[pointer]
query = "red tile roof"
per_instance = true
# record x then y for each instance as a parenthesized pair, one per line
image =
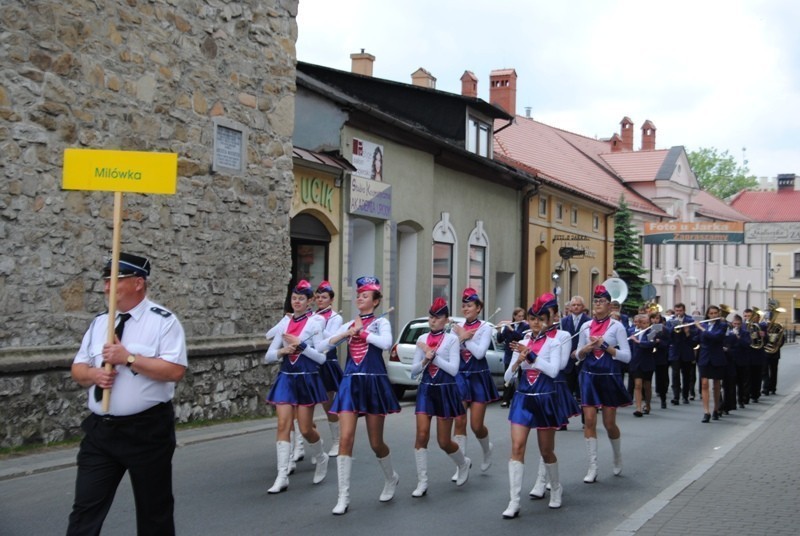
(568, 159)
(637, 166)
(716, 208)
(769, 206)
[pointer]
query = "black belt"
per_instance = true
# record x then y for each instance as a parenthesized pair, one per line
(149, 412)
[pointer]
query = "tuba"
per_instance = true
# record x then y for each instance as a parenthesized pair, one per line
(775, 331)
(756, 340)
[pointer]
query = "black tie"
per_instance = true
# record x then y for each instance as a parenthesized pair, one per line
(124, 317)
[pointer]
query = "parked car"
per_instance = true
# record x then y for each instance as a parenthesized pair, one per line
(401, 356)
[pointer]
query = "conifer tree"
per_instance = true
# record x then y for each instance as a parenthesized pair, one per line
(628, 256)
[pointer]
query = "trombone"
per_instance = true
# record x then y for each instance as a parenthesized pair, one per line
(681, 326)
(724, 312)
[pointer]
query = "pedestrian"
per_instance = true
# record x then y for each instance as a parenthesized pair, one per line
(681, 353)
(474, 378)
(508, 332)
(602, 348)
(364, 389)
(741, 354)
(137, 435)
(436, 358)
(758, 358)
(660, 354)
(331, 370)
(298, 388)
(642, 364)
(535, 364)
(711, 360)
(572, 323)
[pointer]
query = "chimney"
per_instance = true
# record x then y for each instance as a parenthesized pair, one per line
(423, 78)
(469, 84)
(626, 133)
(616, 143)
(786, 181)
(362, 63)
(503, 89)
(648, 136)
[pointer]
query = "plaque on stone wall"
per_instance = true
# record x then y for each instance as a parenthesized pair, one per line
(230, 143)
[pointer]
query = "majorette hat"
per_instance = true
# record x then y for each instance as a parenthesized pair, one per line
(439, 308)
(366, 283)
(303, 287)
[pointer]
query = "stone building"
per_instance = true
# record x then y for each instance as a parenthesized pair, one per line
(158, 76)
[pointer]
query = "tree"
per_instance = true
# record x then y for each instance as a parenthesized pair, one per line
(719, 173)
(628, 255)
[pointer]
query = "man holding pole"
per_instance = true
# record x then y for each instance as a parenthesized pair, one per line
(137, 432)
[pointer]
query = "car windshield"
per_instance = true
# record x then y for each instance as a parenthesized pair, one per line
(416, 328)
(414, 331)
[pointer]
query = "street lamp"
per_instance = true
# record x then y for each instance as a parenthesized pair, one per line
(772, 271)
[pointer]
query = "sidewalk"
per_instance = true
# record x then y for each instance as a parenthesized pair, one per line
(751, 487)
(60, 458)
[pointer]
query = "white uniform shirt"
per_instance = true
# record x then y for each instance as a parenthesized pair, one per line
(152, 331)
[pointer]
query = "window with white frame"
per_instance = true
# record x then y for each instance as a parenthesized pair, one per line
(573, 218)
(559, 211)
(749, 256)
(477, 261)
(445, 249)
(595, 222)
(710, 252)
(479, 134)
(542, 206)
(796, 270)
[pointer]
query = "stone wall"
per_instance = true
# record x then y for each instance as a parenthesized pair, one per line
(41, 404)
(148, 75)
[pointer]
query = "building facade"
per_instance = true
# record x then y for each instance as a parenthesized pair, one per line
(425, 207)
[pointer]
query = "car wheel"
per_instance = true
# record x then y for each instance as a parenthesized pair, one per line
(399, 391)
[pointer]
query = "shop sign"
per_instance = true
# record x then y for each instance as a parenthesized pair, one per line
(698, 232)
(316, 191)
(370, 198)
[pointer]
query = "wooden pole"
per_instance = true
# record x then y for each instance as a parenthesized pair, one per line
(112, 292)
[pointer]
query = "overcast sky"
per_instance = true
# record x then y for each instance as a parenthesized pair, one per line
(708, 73)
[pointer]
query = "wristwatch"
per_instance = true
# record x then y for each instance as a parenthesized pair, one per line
(131, 361)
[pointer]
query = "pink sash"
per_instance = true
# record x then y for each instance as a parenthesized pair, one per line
(359, 345)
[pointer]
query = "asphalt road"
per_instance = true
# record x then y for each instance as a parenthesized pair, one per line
(221, 484)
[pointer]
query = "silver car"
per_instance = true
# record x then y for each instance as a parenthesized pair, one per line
(401, 356)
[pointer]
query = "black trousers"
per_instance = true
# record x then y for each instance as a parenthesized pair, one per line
(756, 372)
(662, 381)
(141, 444)
(770, 374)
(743, 383)
(682, 379)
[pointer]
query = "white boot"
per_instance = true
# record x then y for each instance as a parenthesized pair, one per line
(616, 446)
(344, 464)
(461, 441)
(334, 426)
(292, 465)
(515, 472)
(283, 449)
(421, 457)
(487, 448)
(591, 450)
(391, 479)
(322, 460)
(537, 492)
(463, 465)
(555, 485)
(299, 451)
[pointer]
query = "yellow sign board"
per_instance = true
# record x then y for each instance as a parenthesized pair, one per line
(120, 171)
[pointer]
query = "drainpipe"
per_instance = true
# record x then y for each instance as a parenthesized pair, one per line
(526, 213)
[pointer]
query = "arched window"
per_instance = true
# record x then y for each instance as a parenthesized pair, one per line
(445, 249)
(477, 261)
